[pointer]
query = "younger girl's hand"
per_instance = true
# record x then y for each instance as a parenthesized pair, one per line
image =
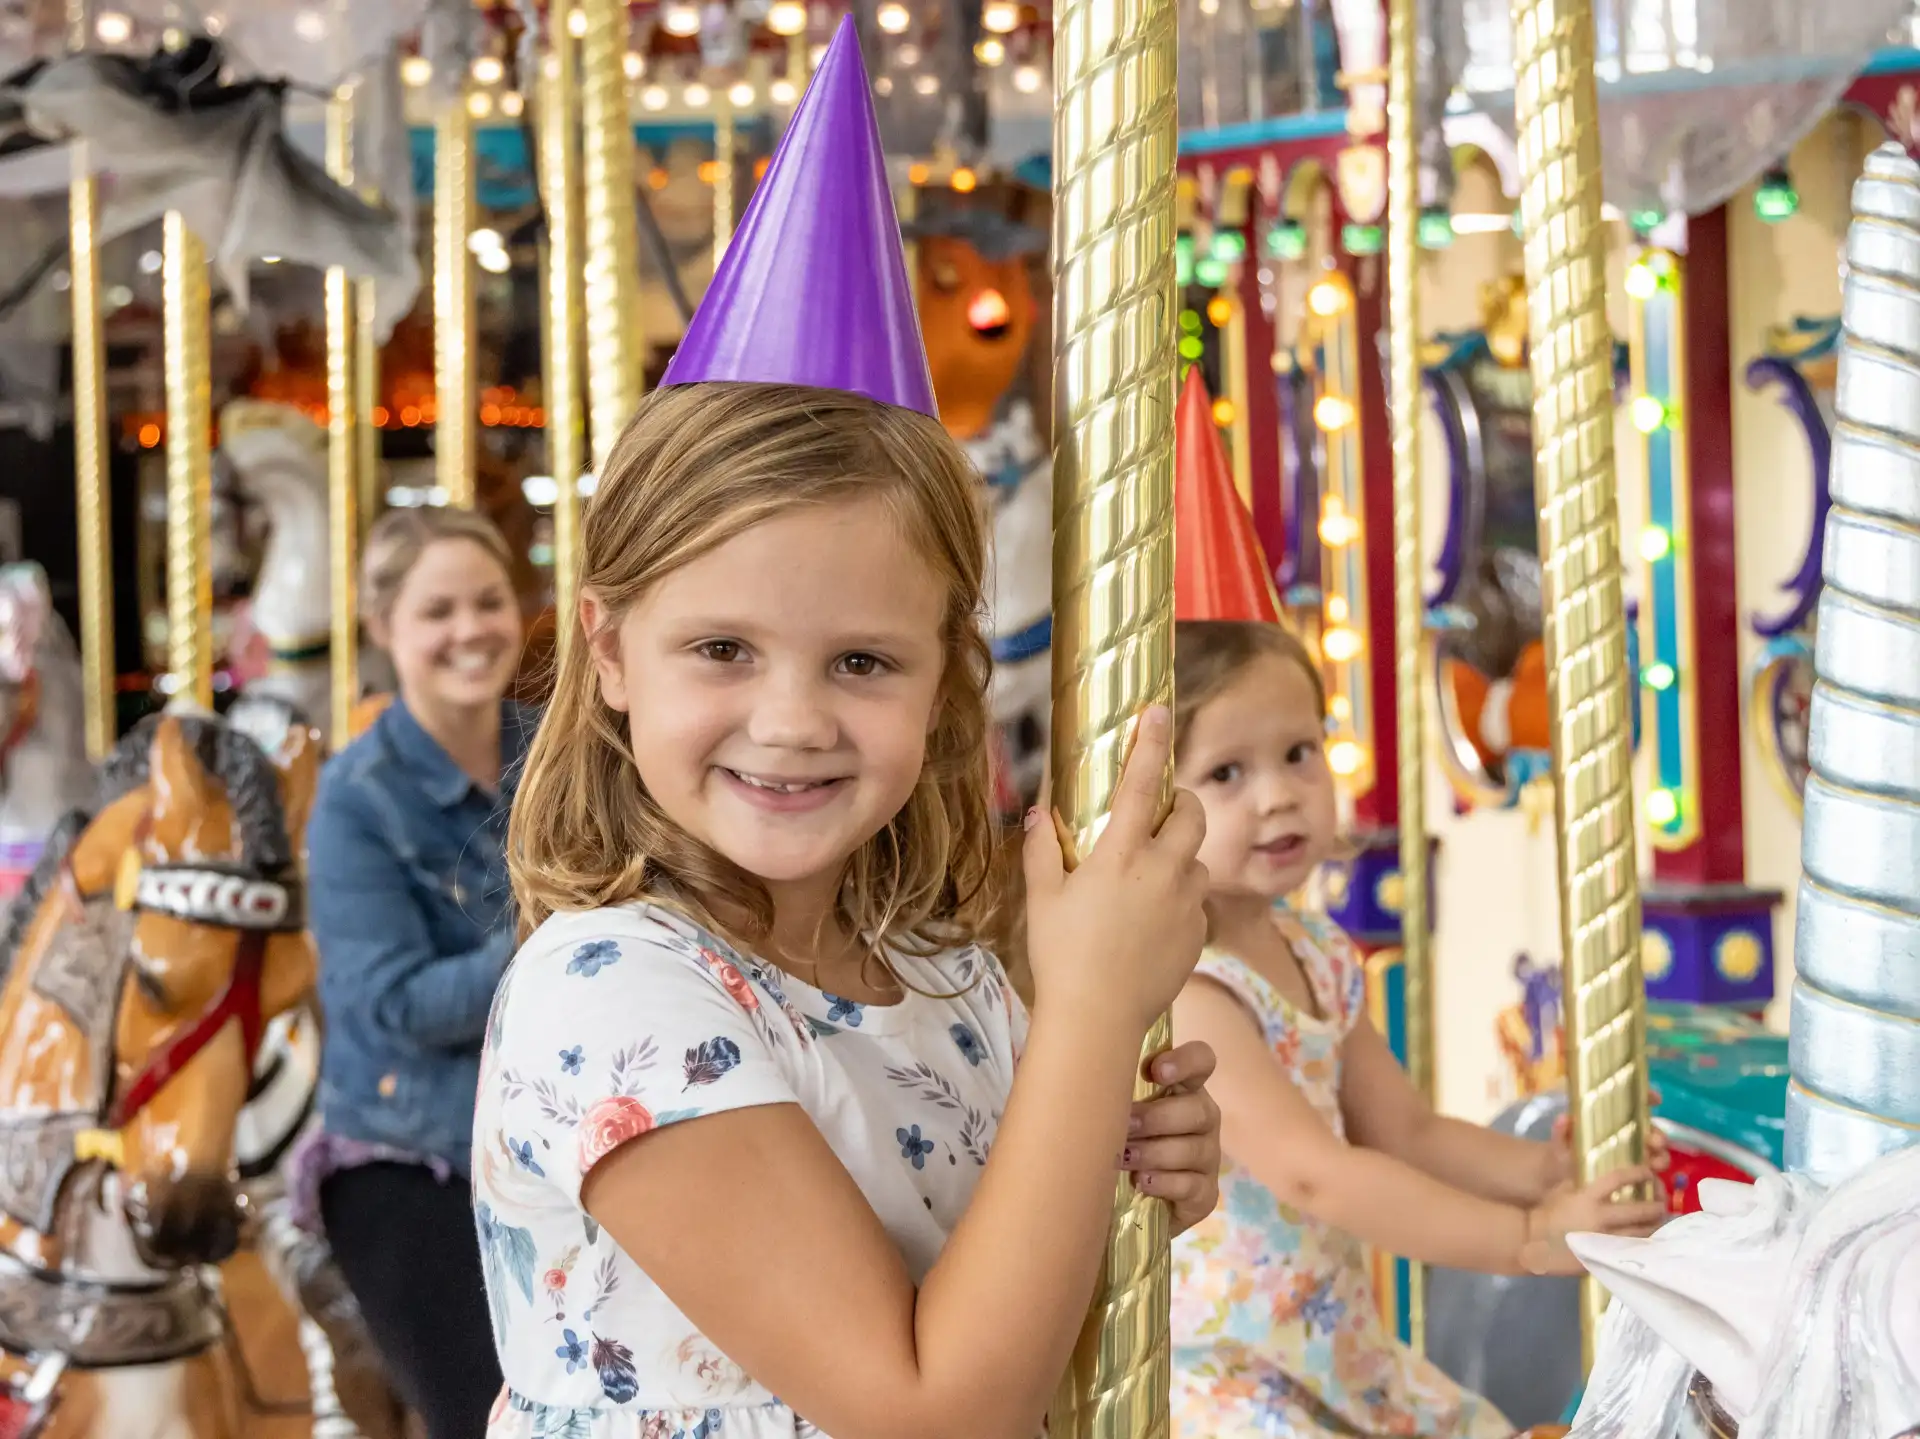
(1173, 1141)
(1592, 1210)
(1117, 937)
(1561, 1161)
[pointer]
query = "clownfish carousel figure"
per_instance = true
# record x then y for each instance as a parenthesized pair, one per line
(977, 312)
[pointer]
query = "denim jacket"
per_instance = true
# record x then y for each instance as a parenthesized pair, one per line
(410, 911)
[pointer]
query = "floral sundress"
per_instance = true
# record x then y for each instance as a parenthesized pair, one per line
(1275, 1328)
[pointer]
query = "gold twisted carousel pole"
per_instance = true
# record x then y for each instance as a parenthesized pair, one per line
(566, 430)
(1409, 597)
(92, 480)
(345, 456)
(615, 350)
(1557, 115)
(189, 385)
(724, 163)
(1114, 383)
(455, 438)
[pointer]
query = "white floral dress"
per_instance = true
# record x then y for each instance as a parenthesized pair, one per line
(618, 1021)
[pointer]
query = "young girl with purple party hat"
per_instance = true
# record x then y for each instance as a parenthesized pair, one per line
(751, 1158)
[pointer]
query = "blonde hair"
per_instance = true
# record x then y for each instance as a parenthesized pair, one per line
(398, 539)
(697, 465)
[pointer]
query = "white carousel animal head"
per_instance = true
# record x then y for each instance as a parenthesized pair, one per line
(1799, 1305)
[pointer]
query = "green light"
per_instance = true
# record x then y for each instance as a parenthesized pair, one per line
(1190, 321)
(1287, 240)
(1663, 808)
(1644, 221)
(1360, 239)
(1228, 246)
(1210, 272)
(1436, 229)
(1190, 347)
(1776, 199)
(1658, 676)
(1183, 267)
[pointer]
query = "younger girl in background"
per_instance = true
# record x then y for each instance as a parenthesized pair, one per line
(1329, 1147)
(752, 1160)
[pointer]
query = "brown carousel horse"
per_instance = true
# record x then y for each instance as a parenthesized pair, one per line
(150, 950)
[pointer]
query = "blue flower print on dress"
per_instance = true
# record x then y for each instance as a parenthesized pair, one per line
(593, 956)
(1324, 1311)
(913, 1148)
(709, 1060)
(573, 1350)
(968, 1043)
(507, 1254)
(572, 1059)
(613, 1362)
(523, 1156)
(845, 1009)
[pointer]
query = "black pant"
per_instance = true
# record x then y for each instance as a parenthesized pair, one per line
(406, 1244)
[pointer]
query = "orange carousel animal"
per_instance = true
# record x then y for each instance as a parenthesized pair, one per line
(152, 947)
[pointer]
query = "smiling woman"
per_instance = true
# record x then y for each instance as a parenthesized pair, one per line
(414, 924)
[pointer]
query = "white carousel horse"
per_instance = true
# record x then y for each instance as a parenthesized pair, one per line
(1797, 1305)
(44, 771)
(1019, 475)
(278, 461)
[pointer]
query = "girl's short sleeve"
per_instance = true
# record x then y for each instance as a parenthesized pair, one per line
(599, 1038)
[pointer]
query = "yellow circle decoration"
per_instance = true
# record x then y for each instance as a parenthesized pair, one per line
(1737, 956)
(1656, 955)
(1389, 893)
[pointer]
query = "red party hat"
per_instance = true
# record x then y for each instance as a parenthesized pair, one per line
(1219, 572)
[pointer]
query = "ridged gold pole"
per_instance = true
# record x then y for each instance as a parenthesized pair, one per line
(1557, 114)
(455, 440)
(566, 431)
(724, 161)
(1409, 598)
(1115, 379)
(615, 346)
(189, 384)
(345, 456)
(91, 475)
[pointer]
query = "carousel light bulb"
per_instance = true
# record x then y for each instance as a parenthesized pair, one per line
(487, 70)
(1332, 412)
(741, 94)
(1658, 676)
(416, 70)
(1026, 79)
(112, 27)
(479, 104)
(893, 18)
(1340, 644)
(494, 262)
(1648, 412)
(654, 97)
(1641, 282)
(926, 84)
(963, 180)
(512, 103)
(635, 64)
(696, 95)
(1223, 411)
(787, 17)
(1002, 17)
(908, 55)
(1219, 311)
(815, 54)
(577, 23)
(484, 241)
(1656, 543)
(681, 20)
(783, 91)
(1337, 528)
(1663, 807)
(989, 51)
(883, 86)
(1344, 757)
(1326, 299)
(1336, 609)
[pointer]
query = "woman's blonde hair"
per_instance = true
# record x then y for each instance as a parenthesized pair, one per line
(697, 465)
(399, 537)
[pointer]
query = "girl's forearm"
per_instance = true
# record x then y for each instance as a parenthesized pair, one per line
(997, 1317)
(1398, 1208)
(1483, 1161)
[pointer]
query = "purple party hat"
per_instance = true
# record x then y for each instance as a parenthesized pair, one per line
(813, 287)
